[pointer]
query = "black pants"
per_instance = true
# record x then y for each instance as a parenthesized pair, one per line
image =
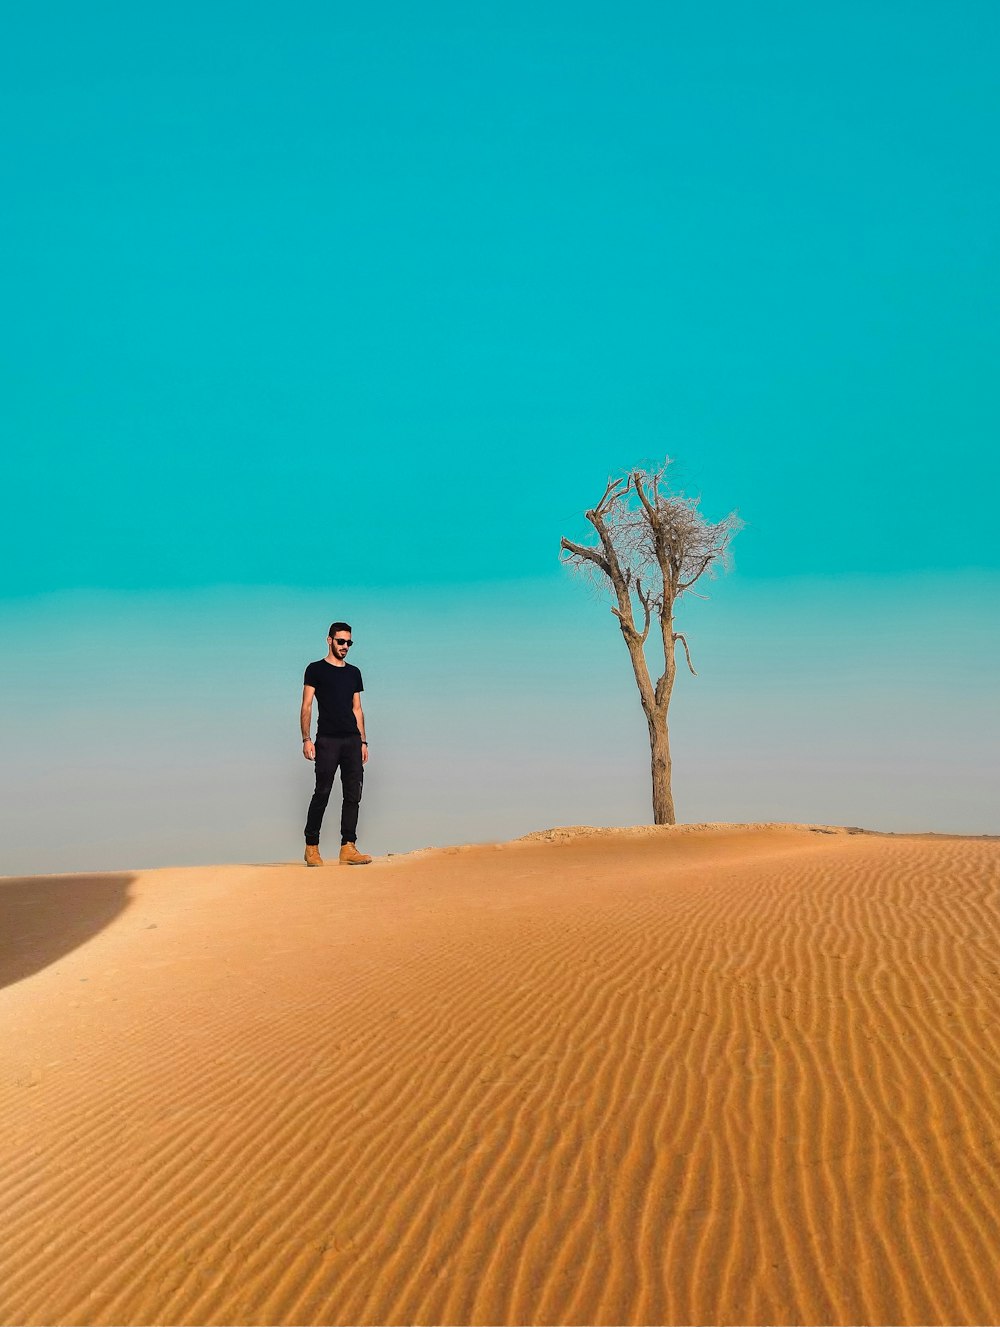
(333, 753)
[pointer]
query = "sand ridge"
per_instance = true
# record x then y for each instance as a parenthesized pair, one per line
(710, 1074)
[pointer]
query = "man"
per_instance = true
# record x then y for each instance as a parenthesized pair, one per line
(340, 743)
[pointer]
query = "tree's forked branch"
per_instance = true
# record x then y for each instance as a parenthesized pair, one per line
(610, 496)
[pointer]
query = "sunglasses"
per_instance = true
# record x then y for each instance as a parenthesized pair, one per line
(339, 640)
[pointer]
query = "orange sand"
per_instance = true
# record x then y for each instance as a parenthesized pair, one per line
(702, 1075)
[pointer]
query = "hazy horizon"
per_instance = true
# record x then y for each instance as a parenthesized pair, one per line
(490, 715)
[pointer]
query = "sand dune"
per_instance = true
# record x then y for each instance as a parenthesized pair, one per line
(701, 1075)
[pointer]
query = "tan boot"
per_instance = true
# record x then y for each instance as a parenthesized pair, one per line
(312, 857)
(349, 856)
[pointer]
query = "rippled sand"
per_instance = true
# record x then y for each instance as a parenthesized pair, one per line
(702, 1075)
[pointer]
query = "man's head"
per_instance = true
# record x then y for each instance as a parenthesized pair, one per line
(339, 639)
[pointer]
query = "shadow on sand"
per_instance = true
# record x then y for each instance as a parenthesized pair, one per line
(43, 918)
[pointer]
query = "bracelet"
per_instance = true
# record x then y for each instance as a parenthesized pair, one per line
(363, 742)
(307, 739)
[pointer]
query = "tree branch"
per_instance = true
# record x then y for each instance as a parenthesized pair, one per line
(628, 624)
(588, 555)
(614, 567)
(678, 636)
(644, 599)
(650, 509)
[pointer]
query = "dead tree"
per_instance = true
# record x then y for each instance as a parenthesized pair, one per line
(653, 545)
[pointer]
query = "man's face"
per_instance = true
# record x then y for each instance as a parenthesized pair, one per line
(340, 643)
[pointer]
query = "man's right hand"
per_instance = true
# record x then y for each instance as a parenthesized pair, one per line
(309, 751)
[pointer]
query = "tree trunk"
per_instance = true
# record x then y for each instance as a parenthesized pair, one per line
(659, 751)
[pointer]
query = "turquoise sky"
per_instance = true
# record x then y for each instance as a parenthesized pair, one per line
(329, 303)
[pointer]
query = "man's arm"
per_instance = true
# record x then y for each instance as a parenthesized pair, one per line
(359, 714)
(305, 722)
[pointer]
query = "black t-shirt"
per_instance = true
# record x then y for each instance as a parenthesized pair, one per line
(335, 688)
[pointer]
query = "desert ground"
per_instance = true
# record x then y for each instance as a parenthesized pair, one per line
(705, 1074)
